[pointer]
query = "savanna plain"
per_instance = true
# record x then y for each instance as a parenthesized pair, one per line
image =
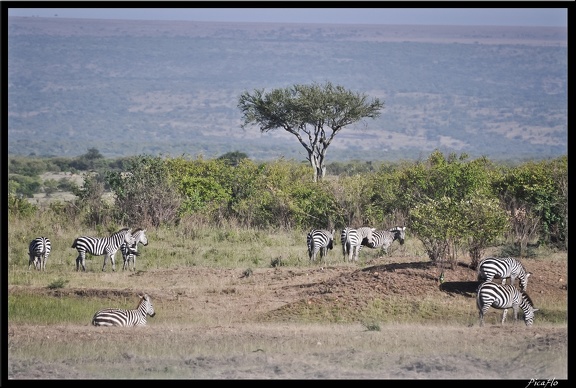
(231, 311)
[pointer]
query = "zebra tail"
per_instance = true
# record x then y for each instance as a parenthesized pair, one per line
(74, 243)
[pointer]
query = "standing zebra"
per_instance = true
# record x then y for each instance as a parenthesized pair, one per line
(503, 297)
(350, 240)
(125, 318)
(38, 252)
(384, 238)
(99, 246)
(319, 240)
(129, 253)
(504, 267)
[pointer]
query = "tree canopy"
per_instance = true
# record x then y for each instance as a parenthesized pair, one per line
(313, 113)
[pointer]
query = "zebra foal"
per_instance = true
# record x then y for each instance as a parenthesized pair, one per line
(129, 252)
(319, 240)
(125, 318)
(505, 267)
(38, 251)
(503, 297)
(99, 246)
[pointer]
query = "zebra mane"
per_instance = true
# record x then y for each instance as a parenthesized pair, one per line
(527, 298)
(137, 230)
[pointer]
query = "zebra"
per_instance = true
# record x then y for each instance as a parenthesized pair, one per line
(319, 240)
(384, 238)
(129, 253)
(99, 246)
(350, 240)
(125, 318)
(503, 267)
(38, 251)
(503, 297)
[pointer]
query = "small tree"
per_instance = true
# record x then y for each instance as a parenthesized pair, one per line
(313, 113)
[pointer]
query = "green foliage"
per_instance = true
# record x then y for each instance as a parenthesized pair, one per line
(145, 194)
(451, 205)
(20, 207)
(233, 158)
(24, 185)
(448, 201)
(58, 283)
(539, 190)
(91, 203)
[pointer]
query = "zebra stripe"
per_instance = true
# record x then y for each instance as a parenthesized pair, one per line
(38, 251)
(350, 239)
(319, 240)
(503, 297)
(129, 252)
(99, 246)
(504, 267)
(125, 318)
(384, 238)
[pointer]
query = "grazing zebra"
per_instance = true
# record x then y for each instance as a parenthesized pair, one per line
(129, 253)
(319, 240)
(99, 246)
(384, 238)
(125, 318)
(38, 251)
(350, 240)
(503, 297)
(504, 267)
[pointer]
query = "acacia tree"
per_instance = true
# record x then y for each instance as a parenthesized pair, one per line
(313, 113)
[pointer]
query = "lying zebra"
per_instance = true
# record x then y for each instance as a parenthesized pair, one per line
(125, 318)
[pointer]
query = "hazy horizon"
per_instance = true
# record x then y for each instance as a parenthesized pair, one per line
(553, 17)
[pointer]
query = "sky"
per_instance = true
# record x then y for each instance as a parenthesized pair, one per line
(521, 16)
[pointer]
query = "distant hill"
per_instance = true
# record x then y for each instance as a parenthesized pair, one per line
(171, 88)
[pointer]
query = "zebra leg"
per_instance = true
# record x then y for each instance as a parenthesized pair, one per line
(504, 313)
(81, 260)
(515, 310)
(113, 262)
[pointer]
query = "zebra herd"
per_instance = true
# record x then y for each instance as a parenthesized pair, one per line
(504, 296)
(489, 294)
(124, 240)
(352, 240)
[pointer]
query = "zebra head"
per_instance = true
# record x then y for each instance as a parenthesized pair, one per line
(399, 234)
(128, 237)
(140, 237)
(145, 306)
(331, 239)
(528, 307)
